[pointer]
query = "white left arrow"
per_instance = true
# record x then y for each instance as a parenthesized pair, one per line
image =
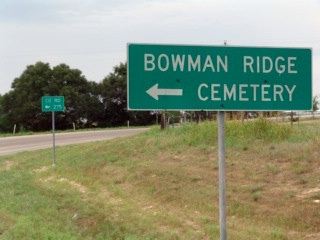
(155, 91)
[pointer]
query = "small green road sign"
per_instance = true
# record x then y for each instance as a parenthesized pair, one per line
(52, 103)
(221, 78)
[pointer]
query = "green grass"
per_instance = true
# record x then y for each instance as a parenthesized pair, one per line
(164, 185)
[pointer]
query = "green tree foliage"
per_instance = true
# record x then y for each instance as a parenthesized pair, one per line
(114, 95)
(3, 118)
(86, 103)
(22, 105)
(315, 103)
(82, 101)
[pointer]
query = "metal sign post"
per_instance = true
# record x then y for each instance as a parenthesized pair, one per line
(53, 104)
(53, 141)
(222, 176)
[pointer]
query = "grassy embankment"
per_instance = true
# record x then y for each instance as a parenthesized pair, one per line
(164, 185)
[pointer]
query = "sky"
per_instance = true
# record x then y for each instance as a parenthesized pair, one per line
(92, 35)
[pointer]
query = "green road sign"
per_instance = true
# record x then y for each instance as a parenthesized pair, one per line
(176, 77)
(52, 103)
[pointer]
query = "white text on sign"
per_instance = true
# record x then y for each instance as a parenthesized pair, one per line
(245, 92)
(198, 63)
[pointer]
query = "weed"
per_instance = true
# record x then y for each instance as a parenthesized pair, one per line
(274, 169)
(301, 168)
(277, 234)
(245, 148)
(240, 209)
(290, 195)
(256, 193)
(303, 180)
(256, 196)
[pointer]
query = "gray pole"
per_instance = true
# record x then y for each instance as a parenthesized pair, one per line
(222, 175)
(53, 142)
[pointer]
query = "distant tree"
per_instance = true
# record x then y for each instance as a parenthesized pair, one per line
(86, 103)
(114, 96)
(22, 105)
(4, 125)
(315, 103)
(82, 102)
(95, 107)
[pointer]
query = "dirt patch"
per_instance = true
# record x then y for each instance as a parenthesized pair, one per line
(41, 169)
(7, 165)
(73, 184)
(312, 236)
(309, 193)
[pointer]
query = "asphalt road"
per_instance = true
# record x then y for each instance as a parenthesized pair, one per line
(10, 145)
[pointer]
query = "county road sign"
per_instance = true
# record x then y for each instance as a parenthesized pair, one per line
(175, 77)
(52, 103)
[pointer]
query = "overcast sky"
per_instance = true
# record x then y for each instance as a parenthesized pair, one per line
(92, 35)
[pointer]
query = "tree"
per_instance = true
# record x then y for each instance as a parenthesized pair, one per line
(4, 124)
(81, 97)
(22, 105)
(114, 96)
(86, 103)
(315, 103)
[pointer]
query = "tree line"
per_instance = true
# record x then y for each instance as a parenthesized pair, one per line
(87, 103)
